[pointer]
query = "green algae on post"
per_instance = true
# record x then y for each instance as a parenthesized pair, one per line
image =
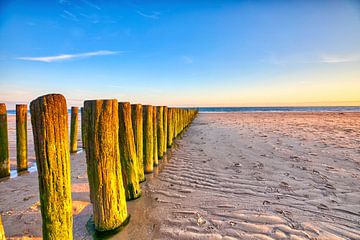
(21, 137)
(170, 127)
(128, 158)
(148, 129)
(83, 133)
(4, 143)
(160, 130)
(49, 120)
(156, 158)
(176, 121)
(103, 164)
(74, 129)
(165, 120)
(137, 124)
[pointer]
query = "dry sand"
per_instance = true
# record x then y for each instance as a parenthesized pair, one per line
(230, 176)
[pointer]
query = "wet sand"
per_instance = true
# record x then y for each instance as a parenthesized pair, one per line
(231, 176)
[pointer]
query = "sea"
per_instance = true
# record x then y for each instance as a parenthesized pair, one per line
(266, 109)
(280, 109)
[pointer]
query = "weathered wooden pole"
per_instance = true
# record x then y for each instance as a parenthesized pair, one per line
(182, 114)
(2, 233)
(148, 139)
(156, 158)
(103, 164)
(160, 130)
(165, 118)
(74, 129)
(83, 133)
(49, 120)
(170, 128)
(128, 158)
(21, 137)
(4, 143)
(176, 121)
(176, 110)
(137, 124)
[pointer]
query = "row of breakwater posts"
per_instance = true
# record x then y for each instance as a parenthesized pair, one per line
(122, 143)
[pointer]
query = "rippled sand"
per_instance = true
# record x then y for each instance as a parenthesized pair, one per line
(230, 176)
(263, 176)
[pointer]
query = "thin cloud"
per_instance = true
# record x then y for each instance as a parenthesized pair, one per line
(311, 59)
(69, 15)
(64, 57)
(92, 5)
(153, 15)
(339, 59)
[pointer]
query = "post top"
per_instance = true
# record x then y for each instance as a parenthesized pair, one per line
(124, 103)
(52, 96)
(100, 100)
(2, 108)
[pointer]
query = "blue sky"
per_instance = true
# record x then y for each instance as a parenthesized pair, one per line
(205, 53)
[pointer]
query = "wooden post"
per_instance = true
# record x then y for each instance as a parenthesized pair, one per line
(148, 139)
(4, 144)
(170, 127)
(137, 124)
(165, 118)
(21, 137)
(160, 130)
(49, 120)
(128, 158)
(175, 125)
(2, 233)
(74, 129)
(83, 133)
(103, 164)
(156, 158)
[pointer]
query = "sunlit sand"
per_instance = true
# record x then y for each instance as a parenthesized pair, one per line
(230, 176)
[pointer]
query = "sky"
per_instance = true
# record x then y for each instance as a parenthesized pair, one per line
(185, 53)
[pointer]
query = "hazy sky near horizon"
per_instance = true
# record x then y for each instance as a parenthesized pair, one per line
(200, 53)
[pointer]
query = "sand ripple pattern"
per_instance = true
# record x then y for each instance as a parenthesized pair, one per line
(262, 176)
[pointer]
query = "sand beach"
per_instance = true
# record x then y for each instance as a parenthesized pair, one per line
(229, 176)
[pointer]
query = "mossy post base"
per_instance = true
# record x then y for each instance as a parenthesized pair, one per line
(129, 165)
(137, 124)
(103, 164)
(49, 120)
(74, 129)
(4, 143)
(21, 137)
(148, 139)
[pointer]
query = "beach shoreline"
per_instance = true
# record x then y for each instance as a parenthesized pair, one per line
(231, 176)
